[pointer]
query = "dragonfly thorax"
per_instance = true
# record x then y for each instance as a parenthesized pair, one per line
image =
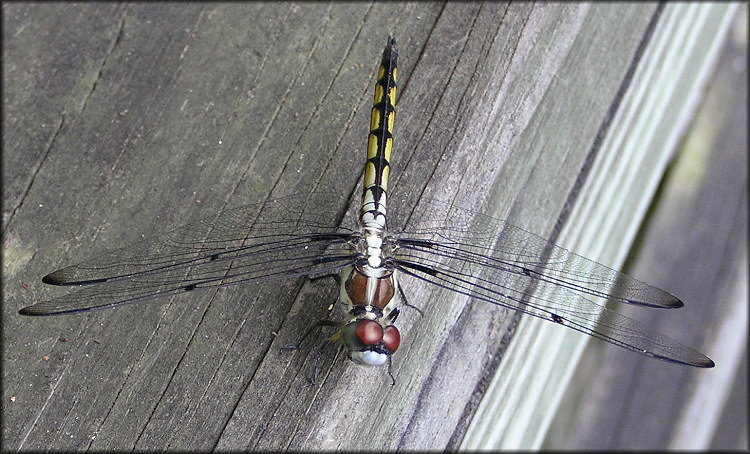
(366, 286)
(370, 336)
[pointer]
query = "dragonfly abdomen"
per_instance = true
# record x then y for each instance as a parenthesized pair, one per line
(380, 142)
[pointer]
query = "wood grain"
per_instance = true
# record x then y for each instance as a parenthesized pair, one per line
(125, 120)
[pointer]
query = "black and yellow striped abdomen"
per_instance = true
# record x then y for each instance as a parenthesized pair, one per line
(380, 141)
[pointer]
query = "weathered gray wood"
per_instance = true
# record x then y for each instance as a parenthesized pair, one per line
(156, 114)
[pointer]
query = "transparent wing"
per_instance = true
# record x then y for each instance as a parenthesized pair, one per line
(261, 242)
(493, 261)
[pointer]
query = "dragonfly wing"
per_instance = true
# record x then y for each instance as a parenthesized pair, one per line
(500, 245)
(493, 261)
(252, 243)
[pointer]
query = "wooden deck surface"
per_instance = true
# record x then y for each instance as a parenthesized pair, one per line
(121, 121)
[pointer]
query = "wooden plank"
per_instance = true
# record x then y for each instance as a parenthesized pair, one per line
(177, 111)
(696, 244)
(654, 112)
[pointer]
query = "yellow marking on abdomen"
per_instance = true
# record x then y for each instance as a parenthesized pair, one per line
(370, 175)
(375, 120)
(378, 93)
(372, 146)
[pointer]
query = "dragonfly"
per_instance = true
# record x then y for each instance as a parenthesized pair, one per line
(484, 258)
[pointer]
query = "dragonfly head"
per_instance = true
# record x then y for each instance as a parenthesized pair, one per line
(369, 342)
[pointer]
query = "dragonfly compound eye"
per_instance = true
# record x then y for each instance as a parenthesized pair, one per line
(369, 332)
(391, 338)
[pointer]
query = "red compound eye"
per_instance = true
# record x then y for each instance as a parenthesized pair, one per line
(391, 338)
(369, 332)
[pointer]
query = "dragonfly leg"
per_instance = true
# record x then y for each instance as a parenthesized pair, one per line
(406, 302)
(390, 372)
(318, 324)
(336, 277)
(315, 364)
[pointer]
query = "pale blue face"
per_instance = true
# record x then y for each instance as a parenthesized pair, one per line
(369, 358)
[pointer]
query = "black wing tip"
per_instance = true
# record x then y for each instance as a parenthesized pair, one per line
(53, 278)
(50, 308)
(67, 276)
(33, 310)
(705, 363)
(674, 303)
(60, 277)
(664, 302)
(693, 359)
